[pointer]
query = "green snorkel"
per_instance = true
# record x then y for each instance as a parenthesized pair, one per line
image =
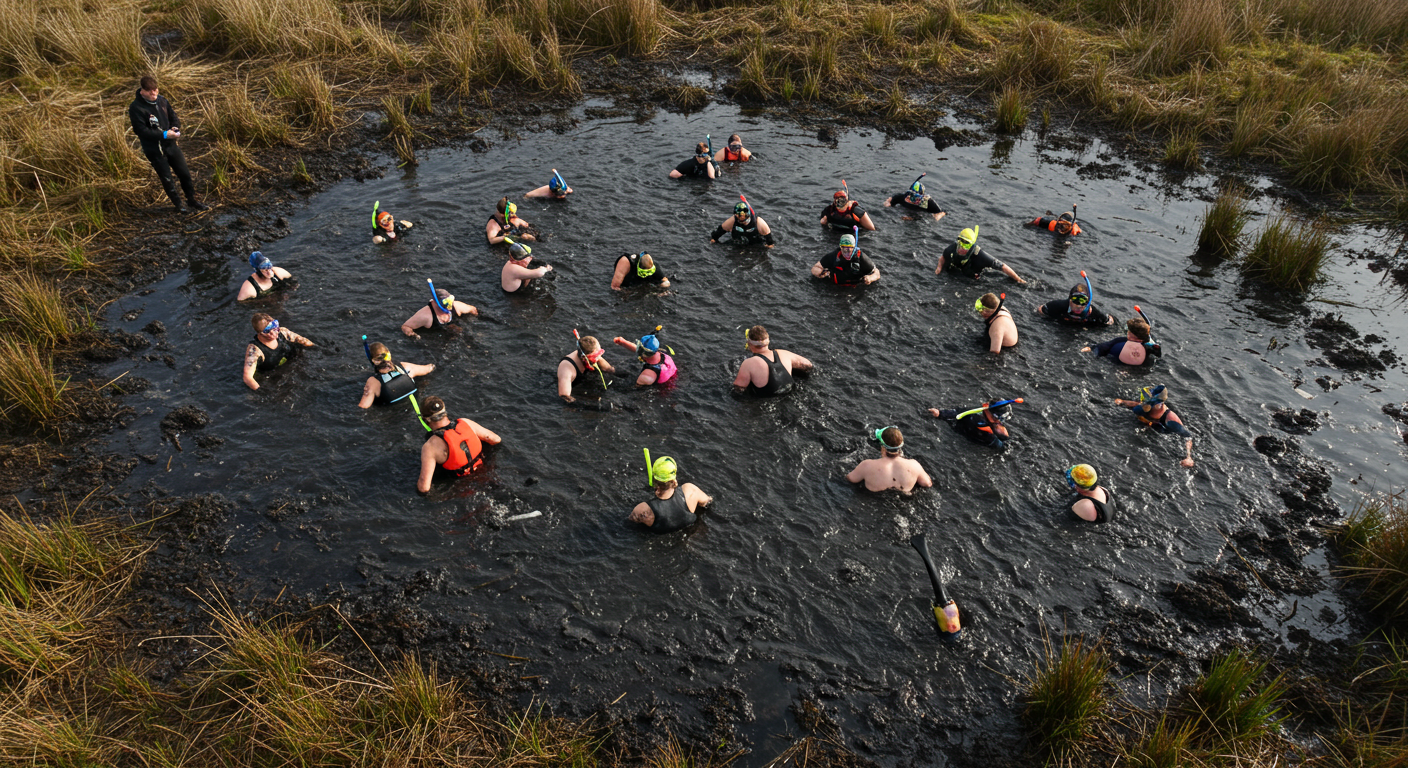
(375, 207)
(649, 471)
(982, 408)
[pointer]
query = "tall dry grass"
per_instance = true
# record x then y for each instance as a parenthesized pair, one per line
(33, 307)
(30, 392)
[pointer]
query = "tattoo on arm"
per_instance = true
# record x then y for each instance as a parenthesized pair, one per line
(251, 357)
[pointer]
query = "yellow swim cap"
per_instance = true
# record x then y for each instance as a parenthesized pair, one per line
(1083, 475)
(663, 470)
(967, 237)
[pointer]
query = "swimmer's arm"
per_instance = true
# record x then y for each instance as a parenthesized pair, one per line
(246, 291)
(1188, 456)
(378, 239)
(940, 267)
(413, 322)
(427, 467)
(1126, 403)
(621, 342)
(866, 223)
(484, 433)
(873, 276)
(743, 379)
(890, 201)
(462, 308)
(542, 191)
(416, 370)
(646, 378)
(282, 274)
(494, 232)
(664, 282)
(675, 174)
(701, 499)
(719, 231)
(924, 480)
(369, 392)
(564, 380)
(251, 360)
(719, 156)
(766, 232)
(1008, 271)
(1104, 347)
(709, 168)
(1041, 310)
(799, 364)
(642, 514)
(617, 277)
(295, 338)
(605, 365)
(995, 338)
(856, 476)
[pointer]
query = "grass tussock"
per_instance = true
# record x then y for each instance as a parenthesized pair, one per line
(1288, 254)
(1374, 539)
(238, 116)
(1223, 222)
(33, 307)
(1013, 107)
(1043, 53)
(308, 97)
(1181, 151)
(1165, 745)
(30, 392)
(1234, 701)
(1066, 694)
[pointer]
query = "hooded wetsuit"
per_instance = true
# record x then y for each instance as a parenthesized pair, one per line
(671, 514)
(1104, 510)
(779, 378)
(396, 385)
(852, 271)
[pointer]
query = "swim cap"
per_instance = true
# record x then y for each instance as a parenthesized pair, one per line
(1081, 476)
(644, 272)
(554, 184)
(840, 195)
(664, 469)
(1152, 395)
(650, 343)
(260, 261)
(740, 207)
(848, 241)
(383, 217)
(519, 251)
(916, 187)
(967, 237)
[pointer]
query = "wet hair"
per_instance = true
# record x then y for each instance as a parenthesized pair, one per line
(1065, 226)
(735, 137)
(665, 485)
(892, 439)
(589, 344)
(758, 335)
(147, 83)
(434, 409)
(990, 301)
(701, 148)
(503, 205)
(1139, 328)
(1078, 288)
(442, 295)
(646, 262)
(260, 321)
(380, 354)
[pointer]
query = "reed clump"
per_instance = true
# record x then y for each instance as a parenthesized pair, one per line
(30, 392)
(1233, 701)
(33, 307)
(1066, 694)
(1374, 539)
(1013, 108)
(1181, 151)
(1223, 223)
(1288, 254)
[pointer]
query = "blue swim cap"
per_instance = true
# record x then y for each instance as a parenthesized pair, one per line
(650, 343)
(260, 261)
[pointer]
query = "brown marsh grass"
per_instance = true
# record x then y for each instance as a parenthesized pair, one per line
(30, 392)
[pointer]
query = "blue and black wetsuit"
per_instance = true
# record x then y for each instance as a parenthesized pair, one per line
(396, 385)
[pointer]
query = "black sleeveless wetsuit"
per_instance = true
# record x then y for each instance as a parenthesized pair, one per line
(396, 385)
(671, 514)
(275, 280)
(273, 358)
(1104, 510)
(779, 378)
(435, 324)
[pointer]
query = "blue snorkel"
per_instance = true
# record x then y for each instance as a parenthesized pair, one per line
(561, 185)
(1089, 294)
(435, 297)
(367, 348)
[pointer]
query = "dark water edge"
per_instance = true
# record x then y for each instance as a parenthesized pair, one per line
(776, 641)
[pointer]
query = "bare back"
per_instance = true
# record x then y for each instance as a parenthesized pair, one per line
(890, 473)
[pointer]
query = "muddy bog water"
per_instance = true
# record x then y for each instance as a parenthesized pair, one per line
(795, 584)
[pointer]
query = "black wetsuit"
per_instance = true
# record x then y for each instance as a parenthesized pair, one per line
(850, 271)
(746, 234)
(692, 167)
(632, 278)
(671, 514)
(396, 385)
(149, 121)
(504, 228)
(273, 358)
(1059, 310)
(397, 229)
(1160, 424)
(929, 205)
(974, 427)
(779, 378)
(435, 324)
(275, 280)
(1104, 510)
(971, 264)
(838, 220)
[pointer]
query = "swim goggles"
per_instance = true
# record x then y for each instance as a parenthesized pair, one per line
(272, 327)
(914, 196)
(641, 272)
(509, 210)
(1079, 299)
(385, 220)
(736, 147)
(978, 305)
(384, 357)
(447, 305)
(879, 436)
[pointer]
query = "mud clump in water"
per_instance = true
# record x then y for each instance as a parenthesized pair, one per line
(1338, 339)
(1296, 423)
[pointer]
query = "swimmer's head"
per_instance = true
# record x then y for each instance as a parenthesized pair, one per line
(740, 209)
(1152, 396)
(735, 142)
(507, 208)
(967, 238)
(1065, 224)
(445, 299)
(588, 345)
(1001, 412)
(701, 151)
(890, 439)
(1081, 476)
(848, 244)
(915, 194)
(987, 301)
(556, 184)
(433, 409)
(264, 323)
(1078, 296)
(649, 344)
(757, 336)
(519, 252)
(385, 220)
(260, 261)
(645, 265)
(380, 354)
(839, 198)
(1139, 328)
(664, 470)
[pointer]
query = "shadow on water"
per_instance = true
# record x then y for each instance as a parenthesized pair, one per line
(795, 586)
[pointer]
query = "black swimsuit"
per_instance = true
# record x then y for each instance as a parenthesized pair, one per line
(671, 514)
(275, 281)
(779, 378)
(396, 385)
(275, 357)
(1104, 510)
(435, 324)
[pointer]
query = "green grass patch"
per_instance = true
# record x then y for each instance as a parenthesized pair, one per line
(1288, 254)
(1233, 701)
(1223, 222)
(1066, 694)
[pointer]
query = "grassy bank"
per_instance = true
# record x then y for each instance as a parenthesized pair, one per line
(1312, 87)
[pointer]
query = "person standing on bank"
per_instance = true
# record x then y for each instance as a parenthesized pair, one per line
(158, 128)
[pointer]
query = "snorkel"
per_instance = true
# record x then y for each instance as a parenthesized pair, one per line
(1089, 295)
(916, 191)
(649, 473)
(641, 272)
(556, 184)
(988, 406)
(1001, 299)
(1153, 346)
(946, 619)
(752, 215)
(879, 435)
(435, 298)
(375, 206)
(367, 348)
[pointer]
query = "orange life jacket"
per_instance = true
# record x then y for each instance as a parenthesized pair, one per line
(464, 448)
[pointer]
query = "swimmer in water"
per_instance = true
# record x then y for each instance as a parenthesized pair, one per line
(674, 505)
(698, 167)
(390, 382)
(587, 356)
(516, 275)
(916, 199)
(1077, 309)
(385, 227)
(1151, 409)
(1089, 502)
(767, 371)
(985, 425)
(659, 365)
(891, 471)
(438, 314)
(746, 228)
(454, 450)
(1001, 330)
(1134, 349)
(265, 279)
(733, 151)
(637, 269)
(845, 214)
(849, 265)
(272, 346)
(1065, 224)
(966, 257)
(505, 223)
(555, 189)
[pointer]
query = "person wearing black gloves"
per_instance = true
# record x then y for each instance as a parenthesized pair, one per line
(158, 128)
